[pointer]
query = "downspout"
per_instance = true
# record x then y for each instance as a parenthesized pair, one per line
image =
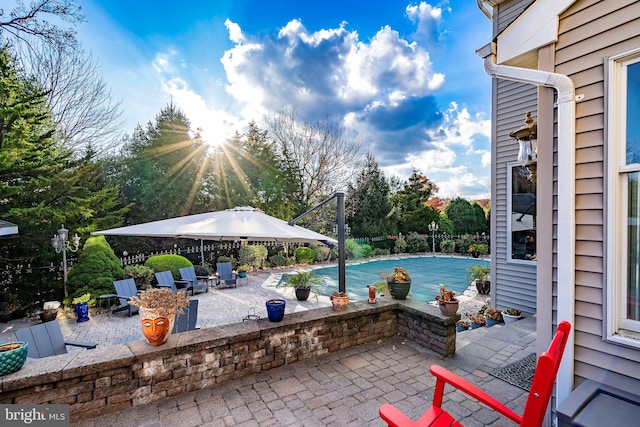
(566, 224)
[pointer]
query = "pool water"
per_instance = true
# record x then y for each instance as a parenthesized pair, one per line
(427, 272)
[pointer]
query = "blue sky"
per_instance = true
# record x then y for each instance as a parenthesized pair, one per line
(402, 77)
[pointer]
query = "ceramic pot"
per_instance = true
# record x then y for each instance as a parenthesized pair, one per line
(483, 287)
(399, 290)
(302, 294)
(460, 328)
(12, 356)
(491, 322)
(509, 318)
(157, 324)
(275, 309)
(242, 274)
(449, 308)
(339, 302)
(82, 311)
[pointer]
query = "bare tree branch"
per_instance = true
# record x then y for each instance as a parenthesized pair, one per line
(80, 101)
(27, 24)
(317, 150)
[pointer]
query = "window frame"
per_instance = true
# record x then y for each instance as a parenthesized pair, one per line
(618, 328)
(509, 254)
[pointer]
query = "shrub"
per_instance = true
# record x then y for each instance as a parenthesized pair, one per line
(96, 270)
(355, 250)
(141, 274)
(304, 255)
(321, 251)
(463, 243)
(447, 246)
(416, 242)
(202, 270)
(253, 255)
(401, 246)
(380, 251)
(277, 261)
(168, 262)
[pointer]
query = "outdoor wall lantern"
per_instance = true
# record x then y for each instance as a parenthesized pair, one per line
(527, 137)
(60, 243)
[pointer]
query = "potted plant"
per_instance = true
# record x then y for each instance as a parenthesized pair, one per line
(480, 274)
(158, 308)
(511, 315)
(303, 282)
(81, 307)
(477, 249)
(242, 270)
(462, 325)
(447, 301)
(275, 309)
(339, 300)
(492, 316)
(12, 355)
(398, 281)
(477, 320)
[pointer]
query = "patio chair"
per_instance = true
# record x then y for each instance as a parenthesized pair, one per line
(187, 322)
(535, 407)
(165, 280)
(200, 283)
(125, 289)
(46, 340)
(224, 273)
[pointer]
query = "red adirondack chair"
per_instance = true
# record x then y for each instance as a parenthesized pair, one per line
(534, 410)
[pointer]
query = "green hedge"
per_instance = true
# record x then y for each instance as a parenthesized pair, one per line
(168, 262)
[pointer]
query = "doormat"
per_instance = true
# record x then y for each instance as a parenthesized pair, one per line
(518, 373)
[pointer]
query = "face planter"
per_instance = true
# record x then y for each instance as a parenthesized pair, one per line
(155, 327)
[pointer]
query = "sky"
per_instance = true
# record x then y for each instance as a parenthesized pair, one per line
(401, 77)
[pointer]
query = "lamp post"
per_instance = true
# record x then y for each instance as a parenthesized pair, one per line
(433, 227)
(60, 243)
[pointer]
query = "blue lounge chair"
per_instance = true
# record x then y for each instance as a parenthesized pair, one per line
(187, 322)
(200, 283)
(46, 340)
(225, 274)
(165, 280)
(125, 289)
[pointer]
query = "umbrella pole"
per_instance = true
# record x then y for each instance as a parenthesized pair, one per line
(202, 252)
(341, 249)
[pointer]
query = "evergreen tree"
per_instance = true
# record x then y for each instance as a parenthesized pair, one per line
(466, 218)
(411, 204)
(163, 169)
(368, 203)
(41, 184)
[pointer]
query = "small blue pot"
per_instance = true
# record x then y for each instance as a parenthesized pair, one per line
(275, 309)
(82, 311)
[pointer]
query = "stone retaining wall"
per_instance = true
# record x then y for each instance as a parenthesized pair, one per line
(114, 378)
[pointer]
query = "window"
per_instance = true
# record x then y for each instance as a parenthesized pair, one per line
(522, 205)
(623, 225)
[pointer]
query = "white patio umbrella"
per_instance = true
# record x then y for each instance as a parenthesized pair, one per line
(240, 223)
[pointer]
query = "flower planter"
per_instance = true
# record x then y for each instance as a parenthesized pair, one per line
(510, 318)
(242, 274)
(399, 290)
(448, 308)
(340, 301)
(48, 315)
(483, 287)
(302, 294)
(491, 322)
(12, 356)
(460, 328)
(82, 311)
(157, 324)
(275, 309)
(475, 325)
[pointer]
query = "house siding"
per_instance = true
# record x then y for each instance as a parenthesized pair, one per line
(590, 31)
(517, 280)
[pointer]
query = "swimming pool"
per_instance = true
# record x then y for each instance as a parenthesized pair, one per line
(427, 272)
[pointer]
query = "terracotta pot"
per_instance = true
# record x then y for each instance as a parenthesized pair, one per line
(48, 315)
(340, 302)
(156, 325)
(449, 308)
